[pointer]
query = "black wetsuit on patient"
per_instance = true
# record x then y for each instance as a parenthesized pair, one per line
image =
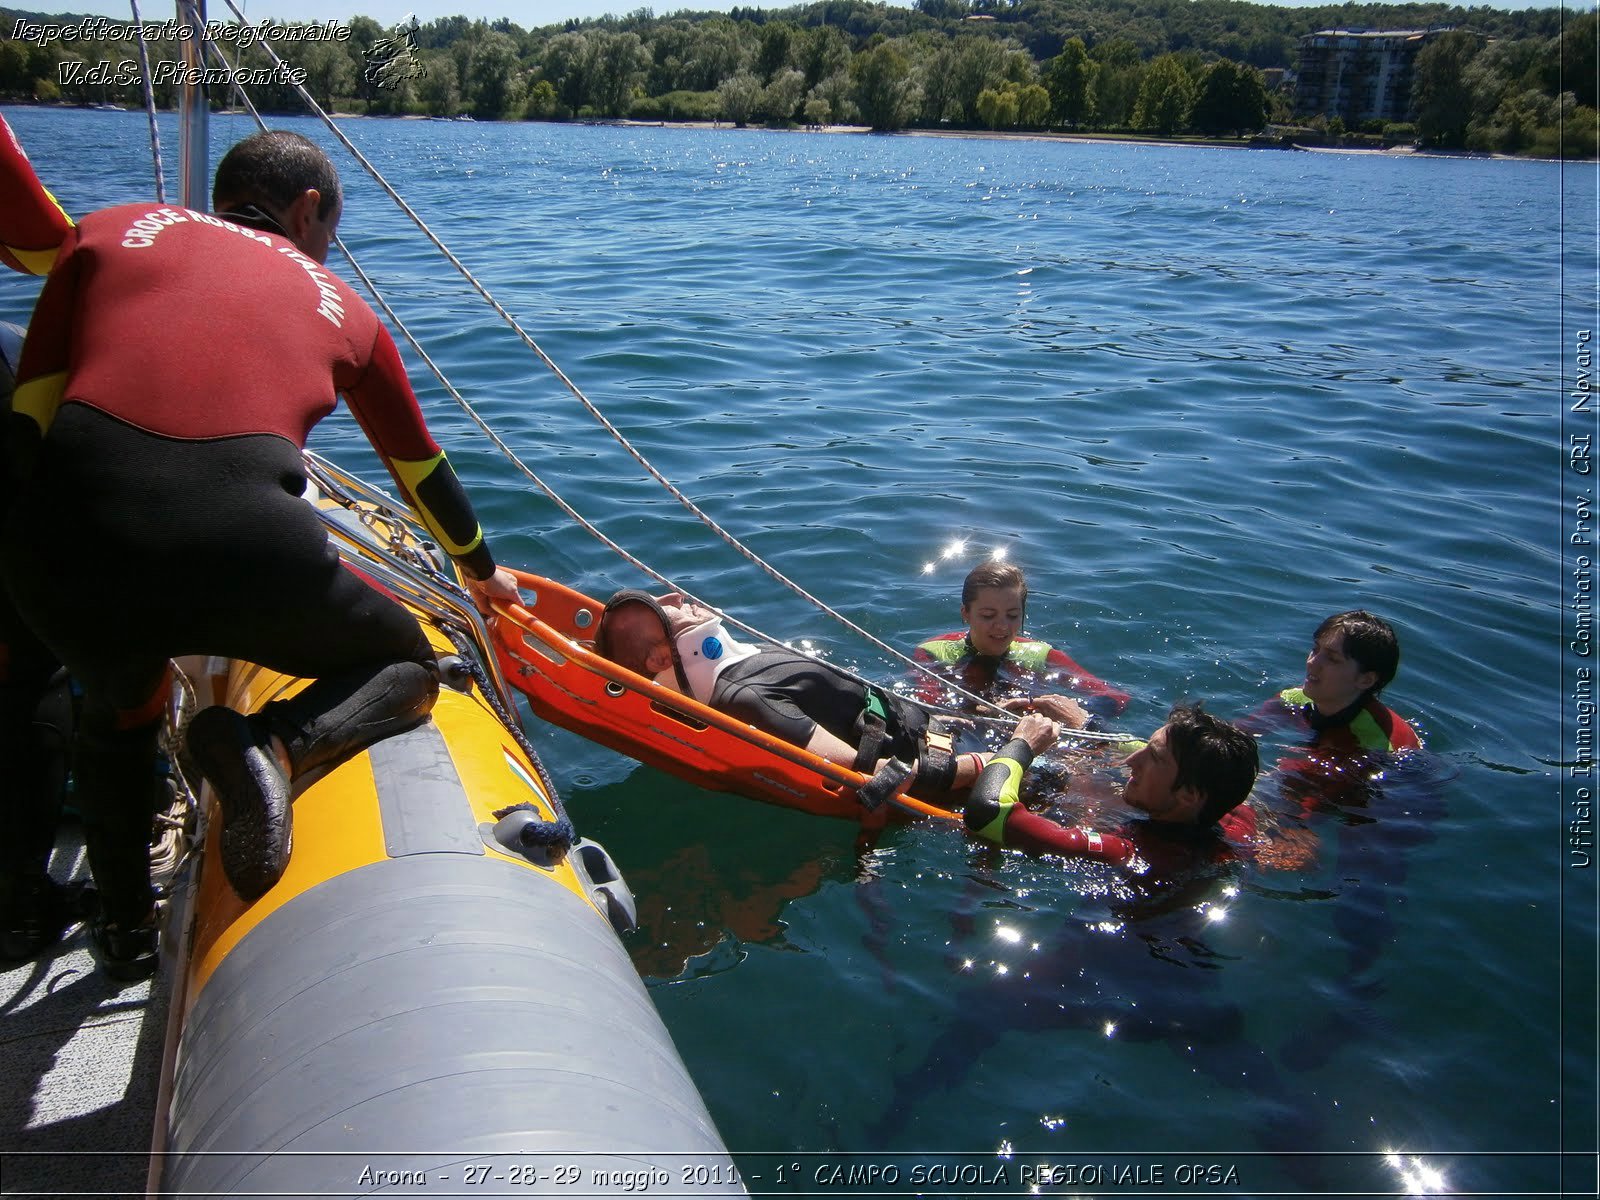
(789, 696)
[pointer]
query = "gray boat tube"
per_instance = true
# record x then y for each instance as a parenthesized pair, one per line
(440, 1022)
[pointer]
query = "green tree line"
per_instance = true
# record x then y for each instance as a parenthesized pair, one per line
(1513, 81)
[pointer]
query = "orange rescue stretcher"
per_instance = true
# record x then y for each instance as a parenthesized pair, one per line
(546, 651)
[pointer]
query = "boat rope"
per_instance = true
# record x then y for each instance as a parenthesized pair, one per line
(559, 832)
(176, 828)
(459, 631)
(578, 518)
(589, 406)
(149, 103)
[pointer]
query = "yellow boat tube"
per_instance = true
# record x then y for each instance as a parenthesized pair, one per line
(432, 1000)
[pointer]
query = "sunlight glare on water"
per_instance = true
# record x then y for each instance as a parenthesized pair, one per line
(1204, 398)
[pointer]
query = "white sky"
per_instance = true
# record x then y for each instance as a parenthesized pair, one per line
(529, 14)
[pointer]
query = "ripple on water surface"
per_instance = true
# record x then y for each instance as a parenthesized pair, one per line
(1204, 398)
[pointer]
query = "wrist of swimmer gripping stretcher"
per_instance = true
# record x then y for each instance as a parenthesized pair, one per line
(480, 570)
(994, 795)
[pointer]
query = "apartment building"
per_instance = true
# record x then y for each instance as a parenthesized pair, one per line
(1359, 74)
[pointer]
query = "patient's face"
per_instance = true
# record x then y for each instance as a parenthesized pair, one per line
(684, 614)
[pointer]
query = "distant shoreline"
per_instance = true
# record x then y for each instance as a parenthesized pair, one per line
(1110, 139)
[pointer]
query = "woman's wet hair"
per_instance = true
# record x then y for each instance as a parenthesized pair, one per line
(994, 574)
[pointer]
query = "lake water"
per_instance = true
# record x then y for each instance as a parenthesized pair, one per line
(1204, 398)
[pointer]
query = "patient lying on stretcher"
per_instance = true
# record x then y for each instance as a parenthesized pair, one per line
(1203, 768)
(807, 703)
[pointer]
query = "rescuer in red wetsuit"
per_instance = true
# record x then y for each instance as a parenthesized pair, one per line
(1348, 732)
(1189, 780)
(32, 909)
(994, 659)
(175, 366)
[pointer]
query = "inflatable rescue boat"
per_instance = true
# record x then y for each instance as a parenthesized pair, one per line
(434, 998)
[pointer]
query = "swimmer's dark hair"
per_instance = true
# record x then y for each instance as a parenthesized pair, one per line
(1368, 639)
(994, 574)
(1215, 758)
(271, 170)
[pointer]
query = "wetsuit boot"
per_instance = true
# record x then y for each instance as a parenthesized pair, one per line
(118, 787)
(331, 719)
(340, 715)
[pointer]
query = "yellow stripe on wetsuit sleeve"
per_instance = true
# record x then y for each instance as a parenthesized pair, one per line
(38, 399)
(995, 830)
(35, 262)
(414, 475)
(38, 261)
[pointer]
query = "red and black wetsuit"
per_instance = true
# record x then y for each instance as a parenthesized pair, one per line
(174, 367)
(1028, 667)
(1366, 727)
(1342, 751)
(994, 812)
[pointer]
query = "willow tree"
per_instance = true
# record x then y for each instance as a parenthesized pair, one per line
(1070, 81)
(620, 61)
(490, 79)
(1442, 88)
(568, 63)
(741, 96)
(1165, 97)
(1230, 98)
(887, 92)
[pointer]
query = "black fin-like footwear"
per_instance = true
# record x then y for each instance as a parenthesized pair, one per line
(234, 753)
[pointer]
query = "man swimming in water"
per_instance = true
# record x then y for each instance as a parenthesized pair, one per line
(1187, 779)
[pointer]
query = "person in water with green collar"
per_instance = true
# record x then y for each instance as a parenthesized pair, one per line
(994, 658)
(1354, 656)
(1346, 735)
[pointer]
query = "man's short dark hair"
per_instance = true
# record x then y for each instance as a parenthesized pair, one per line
(271, 170)
(994, 574)
(1368, 639)
(1215, 758)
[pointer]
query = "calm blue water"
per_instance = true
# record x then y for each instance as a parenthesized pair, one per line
(1204, 398)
